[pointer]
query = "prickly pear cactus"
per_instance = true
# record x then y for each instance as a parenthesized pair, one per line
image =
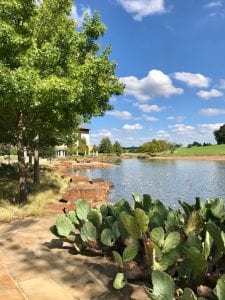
(82, 209)
(64, 225)
(95, 217)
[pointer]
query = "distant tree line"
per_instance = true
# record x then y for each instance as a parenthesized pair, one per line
(107, 147)
(197, 144)
(157, 146)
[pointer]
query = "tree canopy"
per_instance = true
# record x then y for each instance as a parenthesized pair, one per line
(155, 146)
(105, 146)
(117, 148)
(220, 135)
(52, 76)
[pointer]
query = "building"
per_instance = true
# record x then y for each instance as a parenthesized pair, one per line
(83, 132)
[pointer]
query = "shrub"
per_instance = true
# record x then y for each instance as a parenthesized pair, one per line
(188, 245)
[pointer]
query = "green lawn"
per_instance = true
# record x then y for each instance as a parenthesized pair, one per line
(206, 150)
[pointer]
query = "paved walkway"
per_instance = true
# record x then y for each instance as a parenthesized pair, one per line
(35, 265)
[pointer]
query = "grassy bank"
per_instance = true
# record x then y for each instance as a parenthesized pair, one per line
(49, 190)
(200, 151)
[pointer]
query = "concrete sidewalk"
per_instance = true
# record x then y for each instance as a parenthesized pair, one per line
(36, 265)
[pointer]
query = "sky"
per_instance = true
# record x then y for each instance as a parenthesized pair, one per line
(170, 55)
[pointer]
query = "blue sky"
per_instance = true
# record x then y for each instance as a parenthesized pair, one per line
(170, 54)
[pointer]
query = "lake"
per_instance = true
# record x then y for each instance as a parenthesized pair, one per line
(166, 180)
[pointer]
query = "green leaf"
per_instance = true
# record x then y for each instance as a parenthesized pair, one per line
(194, 241)
(88, 232)
(130, 224)
(194, 223)
(217, 208)
(168, 260)
(163, 286)
(119, 281)
(171, 242)
(172, 220)
(157, 235)
(116, 230)
(207, 245)
(136, 197)
(118, 259)
(220, 288)
(104, 210)
(188, 295)
(130, 252)
(107, 237)
(215, 233)
(198, 262)
(82, 209)
(73, 217)
(185, 269)
(109, 221)
(142, 220)
(64, 225)
(147, 202)
(95, 217)
(186, 207)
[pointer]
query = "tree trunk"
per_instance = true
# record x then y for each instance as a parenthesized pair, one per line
(36, 160)
(21, 162)
(30, 157)
(9, 149)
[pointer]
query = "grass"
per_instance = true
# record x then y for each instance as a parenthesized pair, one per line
(50, 189)
(201, 151)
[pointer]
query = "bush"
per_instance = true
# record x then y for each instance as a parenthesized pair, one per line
(188, 245)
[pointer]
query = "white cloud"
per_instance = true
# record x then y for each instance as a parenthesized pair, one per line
(184, 134)
(162, 135)
(123, 115)
(178, 119)
(222, 84)
(182, 129)
(133, 127)
(150, 118)
(102, 133)
(208, 128)
(192, 80)
(209, 94)
(79, 17)
(212, 111)
(143, 8)
(213, 4)
(150, 108)
(156, 83)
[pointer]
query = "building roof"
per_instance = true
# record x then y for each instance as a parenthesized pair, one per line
(61, 147)
(82, 126)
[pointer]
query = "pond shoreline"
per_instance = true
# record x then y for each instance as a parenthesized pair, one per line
(95, 191)
(191, 157)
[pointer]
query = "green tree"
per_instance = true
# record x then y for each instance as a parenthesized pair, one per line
(52, 77)
(117, 148)
(155, 146)
(82, 146)
(220, 135)
(105, 146)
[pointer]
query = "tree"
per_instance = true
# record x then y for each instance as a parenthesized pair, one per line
(105, 146)
(82, 146)
(155, 146)
(52, 77)
(117, 148)
(220, 135)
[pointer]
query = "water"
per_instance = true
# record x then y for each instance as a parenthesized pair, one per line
(166, 180)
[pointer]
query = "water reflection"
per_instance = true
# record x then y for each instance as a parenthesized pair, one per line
(167, 180)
